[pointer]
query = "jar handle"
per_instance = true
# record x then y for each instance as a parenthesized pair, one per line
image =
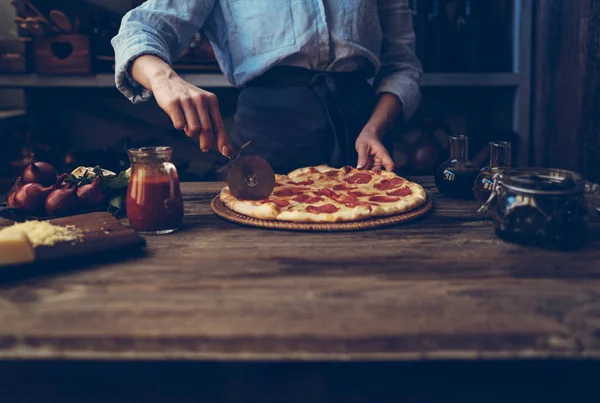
(170, 169)
(488, 202)
(496, 189)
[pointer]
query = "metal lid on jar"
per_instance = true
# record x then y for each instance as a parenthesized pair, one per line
(541, 181)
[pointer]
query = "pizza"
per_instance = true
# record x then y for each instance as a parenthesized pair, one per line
(326, 194)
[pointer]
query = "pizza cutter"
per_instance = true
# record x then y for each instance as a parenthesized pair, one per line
(249, 177)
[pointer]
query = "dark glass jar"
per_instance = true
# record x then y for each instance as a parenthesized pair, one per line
(454, 178)
(540, 206)
(500, 159)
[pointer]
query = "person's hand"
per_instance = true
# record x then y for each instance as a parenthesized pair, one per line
(371, 152)
(192, 110)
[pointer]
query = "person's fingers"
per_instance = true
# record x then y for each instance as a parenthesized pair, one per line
(218, 125)
(175, 112)
(386, 160)
(370, 166)
(376, 164)
(206, 135)
(192, 122)
(363, 155)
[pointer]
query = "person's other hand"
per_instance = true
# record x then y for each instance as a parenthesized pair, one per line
(192, 110)
(371, 152)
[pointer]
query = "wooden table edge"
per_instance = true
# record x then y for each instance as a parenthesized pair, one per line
(299, 356)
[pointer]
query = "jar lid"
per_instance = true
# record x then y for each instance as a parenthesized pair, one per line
(542, 181)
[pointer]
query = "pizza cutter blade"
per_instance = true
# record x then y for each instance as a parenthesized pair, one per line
(250, 177)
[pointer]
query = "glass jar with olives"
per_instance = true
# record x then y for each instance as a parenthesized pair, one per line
(541, 206)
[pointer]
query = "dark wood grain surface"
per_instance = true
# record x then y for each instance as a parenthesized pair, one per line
(101, 234)
(566, 84)
(440, 287)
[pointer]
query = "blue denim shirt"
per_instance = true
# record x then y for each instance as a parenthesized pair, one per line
(251, 36)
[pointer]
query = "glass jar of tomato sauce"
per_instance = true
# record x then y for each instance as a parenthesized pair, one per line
(154, 202)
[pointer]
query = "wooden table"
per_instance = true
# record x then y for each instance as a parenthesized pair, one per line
(442, 288)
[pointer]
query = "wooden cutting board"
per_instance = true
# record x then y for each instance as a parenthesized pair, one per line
(103, 237)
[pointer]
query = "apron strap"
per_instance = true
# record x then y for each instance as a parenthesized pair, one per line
(325, 87)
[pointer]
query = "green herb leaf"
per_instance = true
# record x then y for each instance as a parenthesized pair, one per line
(98, 171)
(73, 180)
(116, 204)
(117, 182)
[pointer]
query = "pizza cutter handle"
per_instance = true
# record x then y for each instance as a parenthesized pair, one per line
(235, 157)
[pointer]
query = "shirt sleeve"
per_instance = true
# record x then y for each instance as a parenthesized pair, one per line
(163, 28)
(400, 72)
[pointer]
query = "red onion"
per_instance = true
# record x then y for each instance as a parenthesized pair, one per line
(92, 194)
(61, 202)
(40, 172)
(10, 196)
(30, 197)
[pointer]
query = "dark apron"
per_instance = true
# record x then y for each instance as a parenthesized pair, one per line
(296, 117)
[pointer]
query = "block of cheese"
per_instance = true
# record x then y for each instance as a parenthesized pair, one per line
(15, 248)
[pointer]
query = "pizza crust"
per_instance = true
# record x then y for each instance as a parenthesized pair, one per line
(325, 177)
(343, 215)
(263, 211)
(404, 205)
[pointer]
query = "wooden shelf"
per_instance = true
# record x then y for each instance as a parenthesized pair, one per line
(11, 113)
(213, 80)
(470, 80)
(93, 80)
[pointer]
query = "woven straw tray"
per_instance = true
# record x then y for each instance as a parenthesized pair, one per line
(225, 212)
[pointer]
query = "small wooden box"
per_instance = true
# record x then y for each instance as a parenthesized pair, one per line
(63, 54)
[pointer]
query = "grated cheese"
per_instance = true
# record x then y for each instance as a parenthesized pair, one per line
(43, 233)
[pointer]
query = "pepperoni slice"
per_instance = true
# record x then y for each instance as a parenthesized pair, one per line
(328, 192)
(346, 170)
(388, 184)
(400, 192)
(325, 208)
(305, 183)
(359, 178)
(357, 193)
(301, 198)
(287, 192)
(314, 200)
(331, 174)
(346, 199)
(280, 202)
(383, 199)
(313, 170)
(340, 186)
(300, 189)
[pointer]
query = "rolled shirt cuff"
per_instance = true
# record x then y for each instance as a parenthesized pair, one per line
(127, 53)
(406, 89)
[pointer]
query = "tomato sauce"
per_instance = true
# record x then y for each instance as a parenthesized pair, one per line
(154, 203)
